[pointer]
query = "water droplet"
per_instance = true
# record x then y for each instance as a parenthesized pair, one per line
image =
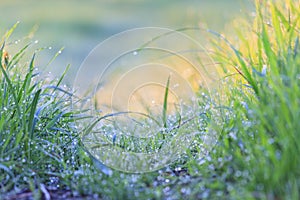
(176, 85)
(202, 161)
(264, 70)
(238, 173)
(178, 169)
(135, 53)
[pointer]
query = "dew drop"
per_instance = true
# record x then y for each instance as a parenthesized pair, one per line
(176, 85)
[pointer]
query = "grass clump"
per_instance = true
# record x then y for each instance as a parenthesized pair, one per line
(263, 133)
(256, 156)
(37, 133)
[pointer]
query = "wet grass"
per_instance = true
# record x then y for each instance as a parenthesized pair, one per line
(256, 156)
(38, 137)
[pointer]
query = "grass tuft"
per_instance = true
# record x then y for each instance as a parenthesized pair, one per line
(256, 156)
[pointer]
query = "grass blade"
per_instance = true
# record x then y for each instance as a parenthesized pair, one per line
(165, 107)
(32, 112)
(9, 32)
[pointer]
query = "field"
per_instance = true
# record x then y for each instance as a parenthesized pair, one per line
(255, 156)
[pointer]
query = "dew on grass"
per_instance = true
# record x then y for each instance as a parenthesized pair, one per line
(278, 154)
(208, 158)
(185, 191)
(146, 122)
(248, 158)
(205, 194)
(211, 167)
(232, 135)
(271, 141)
(176, 85)
(219, 193)
(166, 190)
(207, 107)
(238, 174)
(178, 169)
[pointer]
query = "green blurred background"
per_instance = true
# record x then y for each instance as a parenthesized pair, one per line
(80, 25)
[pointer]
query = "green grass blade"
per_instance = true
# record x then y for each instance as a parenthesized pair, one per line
(265, 39)
(277, 25)
(63, 75)
(10, 85)
(32, 111)
(16, 58)
(53, 121)
(26, 83)
(245, 71)
(282, 18)
(54, 57)
(165, 106)
(9, 32)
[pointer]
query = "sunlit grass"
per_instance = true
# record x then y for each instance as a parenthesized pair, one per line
(263, 135)
(37, 132)
(255, 157)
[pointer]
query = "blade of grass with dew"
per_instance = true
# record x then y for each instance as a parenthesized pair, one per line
(62, 77)
(165, 105)
(32, 112)
(10, 173)
(277, 26)
(31, 123)
(9, 32)
(266, 43)
(52, 122)
(55, 56)
(27, 80)
(246, 73)
(17, 57)
(10, 85)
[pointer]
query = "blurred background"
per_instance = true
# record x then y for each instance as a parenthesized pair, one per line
(80, 25)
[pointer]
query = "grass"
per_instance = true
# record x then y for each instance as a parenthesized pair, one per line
(256, 156)
(268, 62)
(36, 126)
(165, 106)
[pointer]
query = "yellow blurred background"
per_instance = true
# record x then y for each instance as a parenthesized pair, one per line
(80, 25)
